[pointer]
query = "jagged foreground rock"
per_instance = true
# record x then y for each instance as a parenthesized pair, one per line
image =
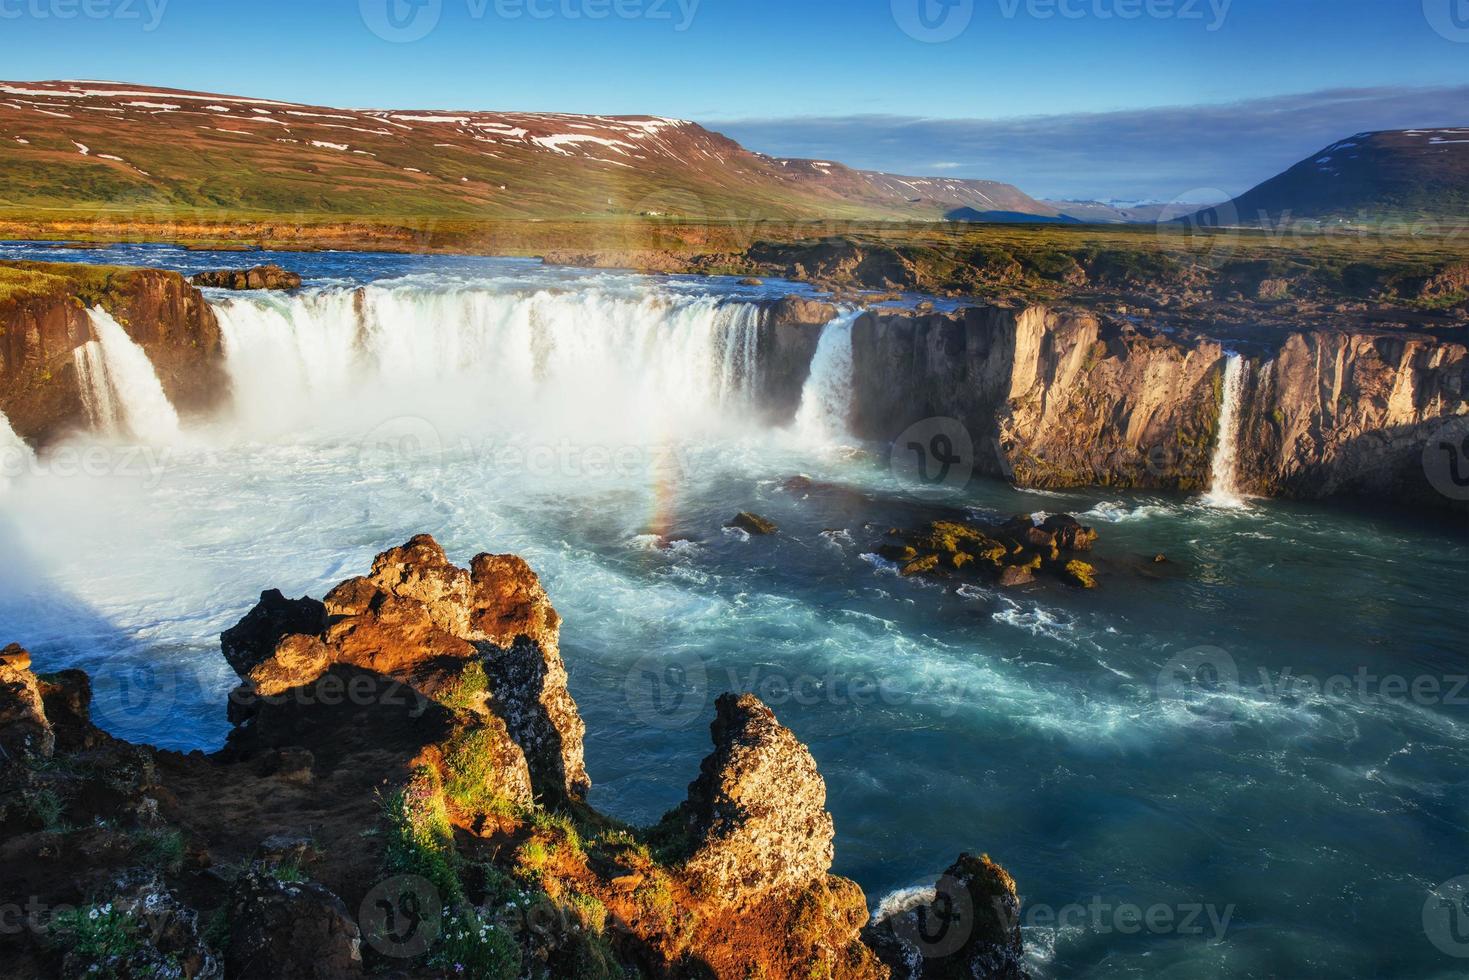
(403, 794)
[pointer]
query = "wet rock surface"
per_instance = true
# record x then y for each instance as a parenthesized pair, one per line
(1010, 554)
(753, 524)
(260, 277)
(968, 927)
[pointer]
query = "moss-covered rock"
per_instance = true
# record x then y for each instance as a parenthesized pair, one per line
(1080, 574)
(921, 566)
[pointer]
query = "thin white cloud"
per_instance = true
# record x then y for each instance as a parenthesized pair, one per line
(1144, 154)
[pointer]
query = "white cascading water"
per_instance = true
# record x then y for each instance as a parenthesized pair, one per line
(15, 455)
(826, 401)
(1224, 490)
(587, 358)
(120, 389)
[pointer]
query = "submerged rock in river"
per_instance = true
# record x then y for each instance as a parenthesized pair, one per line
(260, 277)
(1007, 555)
(753, 524)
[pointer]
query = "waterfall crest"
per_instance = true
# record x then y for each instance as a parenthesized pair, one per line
(590, 359)
(120, 389)
(1224, 490)
(826, 401)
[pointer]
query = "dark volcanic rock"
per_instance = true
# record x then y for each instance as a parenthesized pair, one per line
(289, 931)
(419, 621)
(1069, 532)
(402, 740)
(753, 524)
(1007, 555)
(24, 730)
(252, 640)
(969, 931)
(260, 277)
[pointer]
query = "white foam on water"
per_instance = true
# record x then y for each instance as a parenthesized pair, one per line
(1037, 621)
(120, 389)
(1118, 512)
(903, 900)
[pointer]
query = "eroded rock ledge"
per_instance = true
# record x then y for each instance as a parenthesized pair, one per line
(43, 319)
(1056, 398)
(411, 734)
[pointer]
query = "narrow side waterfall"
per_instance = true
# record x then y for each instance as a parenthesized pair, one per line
(120, 389)
(589, 360)
(15, 455)
(1224, 490)
(826, 401)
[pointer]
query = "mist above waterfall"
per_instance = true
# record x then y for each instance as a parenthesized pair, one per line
(15, 455)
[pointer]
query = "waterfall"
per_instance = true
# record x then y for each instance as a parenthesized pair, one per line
(826, 400)
(15, 456)
(1224, 491)
(120, 389)
(590, 359)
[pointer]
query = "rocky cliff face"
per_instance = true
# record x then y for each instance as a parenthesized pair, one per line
(1350, 414)
(1061, 399)
(1050, 399)
(41, 325)
(402, 796)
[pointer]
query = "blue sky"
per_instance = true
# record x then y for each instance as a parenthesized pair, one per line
(825, 78)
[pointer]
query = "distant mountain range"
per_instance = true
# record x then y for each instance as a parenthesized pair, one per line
(1395, 175)
(113, 148)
